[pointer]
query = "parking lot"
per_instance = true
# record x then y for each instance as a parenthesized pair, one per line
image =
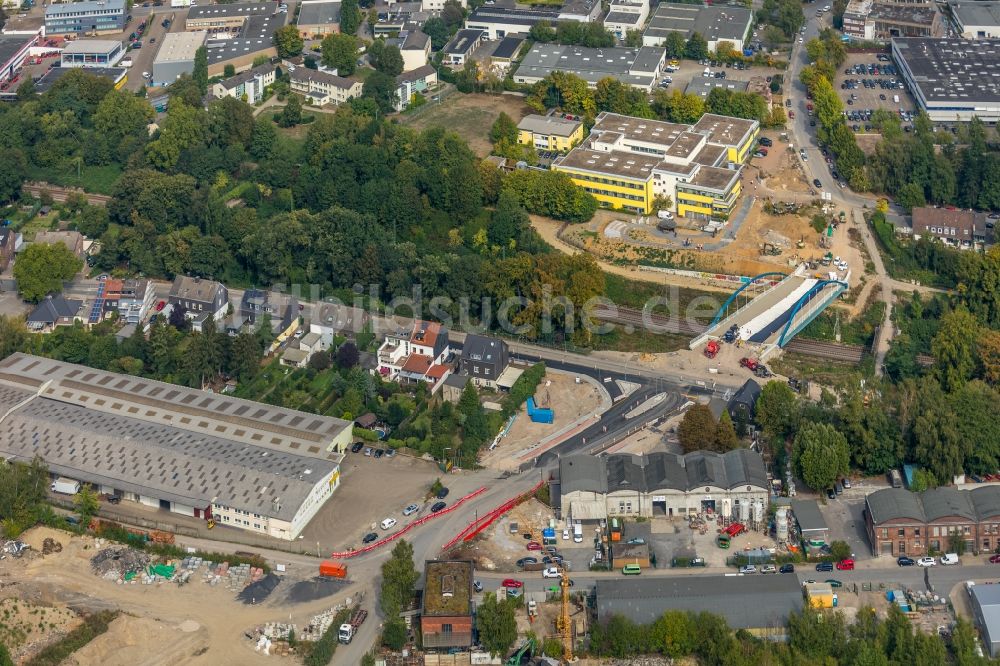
(867, 82)
(372, 490)
(689, 69)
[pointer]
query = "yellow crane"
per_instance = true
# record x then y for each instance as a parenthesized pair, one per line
(564, 626)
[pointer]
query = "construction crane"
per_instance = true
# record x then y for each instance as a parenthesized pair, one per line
(565, 629)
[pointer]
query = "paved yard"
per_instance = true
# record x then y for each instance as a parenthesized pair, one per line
(372, 490)
(12, 305)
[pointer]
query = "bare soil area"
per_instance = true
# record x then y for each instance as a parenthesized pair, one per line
(162, 623)
(569, 400)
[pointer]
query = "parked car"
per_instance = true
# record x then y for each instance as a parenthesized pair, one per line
(787, 568)
(510, 582)
(926, 562)
(527, 560)
(817, 182)
(768, 568)
(441, 494)
(438, 506)
(477, 586)
(824, 566)
(368, 450)
(833, 582)
(904, 561)
(410, 510)
(949, 558)
(534, 545)
(379, 453)
(551, 572)
(388, 523)
(845, 565)
(357, 447)
(994, 559)
(748, 569)
(371, 536)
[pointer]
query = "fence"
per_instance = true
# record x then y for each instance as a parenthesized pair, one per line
(396, 535)
(480, 524)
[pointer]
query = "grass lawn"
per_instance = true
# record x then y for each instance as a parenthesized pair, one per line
(640, 341)
(469, 116)
(94, 179)
(35, 225)
(635, 294)
(823, 371)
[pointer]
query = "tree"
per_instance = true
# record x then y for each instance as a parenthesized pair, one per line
(439, 33)
(13, 335)
(263, 138)
(954, 348)
(347, 356)
(725, 434)
(340, 52)
(5, 658)
(504, 129)
(291, 115)
(13, 171)
(86, 503)
(777, 409)
(496, 624)
(508, 222)
(381, 88)
(386, 58)
(475, 426)
(320, 360)
(350, 17)
(697, 429)
(542, 32)
(200, 73)
(633, 38)
(820, 454)
(840, 550)
(675, 45)
(696, 47)
(399, 576)
(287, 41)
(245, 356)
(26, 91)
(121, 114)
(453, 13)
(41, 270)
(911, 196)
(988, 348)
(229, 70)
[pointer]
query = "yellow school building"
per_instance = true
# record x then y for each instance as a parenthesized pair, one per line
(554, 132)
(627, 162)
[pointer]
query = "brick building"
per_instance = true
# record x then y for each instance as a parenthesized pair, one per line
(446, 617)
(900, 522)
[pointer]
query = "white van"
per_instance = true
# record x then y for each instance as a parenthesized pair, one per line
(388, 523)
(578, 533)
(707, 73)
(126, 62)
(895, 99)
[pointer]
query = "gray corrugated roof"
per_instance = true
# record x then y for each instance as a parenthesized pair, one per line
(662, 470)
(744, 601)
(947, 501)
(807, 515)
(986, 501)
(166, 462)
(894, 503)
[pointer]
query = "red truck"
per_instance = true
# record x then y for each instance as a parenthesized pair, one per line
(748, 363)
(711, 349)
(332, 569)
(348, 629)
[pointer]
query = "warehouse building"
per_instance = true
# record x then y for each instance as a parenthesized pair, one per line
(716, 23)
(626, 15)
(662, 484)
(13, 50)
(626, 163)
(638, 68)
(986, 611)
(92, 17)
(318, 18)
(759, 604)
(176, 56)
(953, 80)
(976, 20)
(247, 465)
(117, 75)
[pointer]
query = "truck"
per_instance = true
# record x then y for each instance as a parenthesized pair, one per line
(748, 363)
(577, 533)
(711, 349)
(65, 486)
(332, 569)
(348, 629)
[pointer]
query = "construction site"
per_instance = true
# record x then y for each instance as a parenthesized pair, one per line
(167, 610)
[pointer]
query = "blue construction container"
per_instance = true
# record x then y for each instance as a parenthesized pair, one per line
(539, 414)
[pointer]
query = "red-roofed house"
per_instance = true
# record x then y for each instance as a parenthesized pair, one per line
(417, 354)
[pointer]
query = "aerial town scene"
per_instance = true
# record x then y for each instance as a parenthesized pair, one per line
(499, 332)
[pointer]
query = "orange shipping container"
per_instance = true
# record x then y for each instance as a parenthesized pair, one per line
(333, 569)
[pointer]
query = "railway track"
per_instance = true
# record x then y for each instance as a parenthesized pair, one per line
(816, 348)
(60, 193)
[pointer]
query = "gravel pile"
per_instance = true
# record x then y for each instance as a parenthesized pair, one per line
(255, 593)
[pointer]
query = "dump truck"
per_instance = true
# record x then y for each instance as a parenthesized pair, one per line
(711, 349)
(332, 569)
(65, 486)
(348, 629)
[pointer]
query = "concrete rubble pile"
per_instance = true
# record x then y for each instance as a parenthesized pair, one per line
(50, 545)
(119, 562)
(14, 548)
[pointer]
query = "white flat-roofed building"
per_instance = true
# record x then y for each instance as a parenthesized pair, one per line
(638, 68)
(716, 23)
(976, 20)
(248, 465)
(626, 15)
(176, 56)
(953, 80)
(92, 53)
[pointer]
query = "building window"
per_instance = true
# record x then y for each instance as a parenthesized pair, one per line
(916, 531)
(902, 547)
(885, 533)
(445, 628)
(901, 532)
